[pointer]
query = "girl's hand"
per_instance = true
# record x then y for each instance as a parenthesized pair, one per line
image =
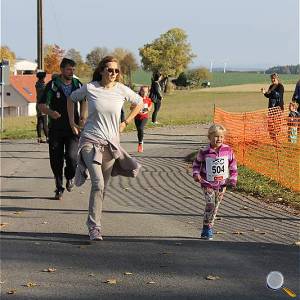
(197, 178)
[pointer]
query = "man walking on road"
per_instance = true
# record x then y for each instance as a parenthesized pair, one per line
(63, 143)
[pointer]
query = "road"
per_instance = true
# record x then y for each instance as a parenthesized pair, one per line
(151, 231)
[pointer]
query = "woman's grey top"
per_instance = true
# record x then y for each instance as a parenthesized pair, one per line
(104, 108)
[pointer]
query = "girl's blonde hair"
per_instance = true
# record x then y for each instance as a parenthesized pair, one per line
(214, 129)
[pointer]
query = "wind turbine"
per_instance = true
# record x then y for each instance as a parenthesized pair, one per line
(225, 64)
(211, 64)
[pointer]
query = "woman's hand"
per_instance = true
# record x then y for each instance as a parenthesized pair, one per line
(263, 90)
(55, 115)
(122, 126)
(75, 129)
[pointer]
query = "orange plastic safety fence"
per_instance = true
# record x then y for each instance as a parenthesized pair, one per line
(266, 141)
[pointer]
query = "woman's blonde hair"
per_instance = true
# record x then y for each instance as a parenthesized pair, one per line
(102, 65)
(216, 128)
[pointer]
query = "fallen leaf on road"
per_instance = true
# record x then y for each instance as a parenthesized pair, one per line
(49, 270)
(297, 243)
(212, 277)
(126, 189)
(254, 230)
(178, 244)
(188, 197)
(191, 222)
(244, 208)
(17, 212)
(219, 219)
(110, 281)
(262, 232)
(1, 282)
(151, 282)
(92, 275)
(3, 225)
(238, 232)
(30, 284)
(220, 232)
(45, 222)
(166, 253)
(11, 292)
(127, 273)
(81, 192)
(163, 266)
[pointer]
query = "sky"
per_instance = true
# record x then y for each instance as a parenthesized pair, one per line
(244, 34)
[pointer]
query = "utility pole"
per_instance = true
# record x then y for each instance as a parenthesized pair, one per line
(40, 56)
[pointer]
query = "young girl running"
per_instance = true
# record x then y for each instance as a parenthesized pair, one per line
(214, 168)
(141, 118)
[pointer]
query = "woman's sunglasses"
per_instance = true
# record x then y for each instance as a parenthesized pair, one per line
(111, 70)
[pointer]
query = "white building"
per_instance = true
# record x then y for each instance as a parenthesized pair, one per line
(22, 67)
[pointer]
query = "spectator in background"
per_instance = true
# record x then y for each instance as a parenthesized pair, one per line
(274, 93)
(293, 122)
(41, 117)
(156, 95)
(296, 95)
(275, 105)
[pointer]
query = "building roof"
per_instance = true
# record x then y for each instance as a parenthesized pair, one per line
(25, 85)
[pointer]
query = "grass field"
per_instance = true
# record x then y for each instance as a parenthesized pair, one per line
(220, 79)
(180, 107)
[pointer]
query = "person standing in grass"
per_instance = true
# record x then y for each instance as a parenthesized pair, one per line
(214, 168)
(296, 95)
(156, 95)
(141, 118)
(275, 105)
(293, 122)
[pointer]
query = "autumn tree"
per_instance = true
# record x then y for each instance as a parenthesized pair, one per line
(169, 54)
(53, 58)
(6, 53)
(95, 56)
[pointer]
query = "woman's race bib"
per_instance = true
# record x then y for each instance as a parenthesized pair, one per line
(216, 168)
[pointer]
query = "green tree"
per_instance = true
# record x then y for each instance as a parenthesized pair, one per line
(83, 70)
(197, 76)
(169, 54)
(74, 55)
(95, 56)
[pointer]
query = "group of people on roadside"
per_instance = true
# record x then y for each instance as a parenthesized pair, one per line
(275, 94)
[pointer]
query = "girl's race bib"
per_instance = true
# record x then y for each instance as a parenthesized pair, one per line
(216, 168)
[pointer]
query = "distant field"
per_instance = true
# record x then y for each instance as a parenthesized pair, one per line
(221, 79)
(180, 107)
(234, 78)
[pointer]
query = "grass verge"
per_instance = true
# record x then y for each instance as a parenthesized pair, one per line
(262, 187)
